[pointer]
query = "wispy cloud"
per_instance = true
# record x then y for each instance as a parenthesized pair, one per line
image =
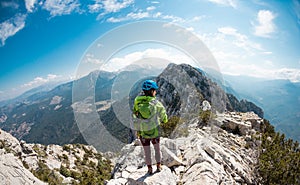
(9, 4)
(95, 7)
(40, 80)
(240, 40)
(129, 16)
(115, 6)
(90, 58)
(260, 71)
(265, 25)
(30, 5)
(296, 8)
(11, 26)
(50, 78)
(149, 13)
(150, 8)
(231, 3)
(288, 73)
(118, 63)
(108, 6)
(61, 7)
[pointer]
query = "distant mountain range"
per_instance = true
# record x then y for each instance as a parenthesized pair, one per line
(48, 117)
(37, 90)
(280, 100)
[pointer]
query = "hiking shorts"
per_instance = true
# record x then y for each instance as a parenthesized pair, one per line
(146, 141)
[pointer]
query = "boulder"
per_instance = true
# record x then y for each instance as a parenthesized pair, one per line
(140, 177)
(13, 172)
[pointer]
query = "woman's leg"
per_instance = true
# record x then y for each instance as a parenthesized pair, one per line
(146, 145)
(155, 142)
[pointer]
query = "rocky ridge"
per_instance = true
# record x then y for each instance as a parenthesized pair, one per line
(208, 155)
(24, 163)
(211, 154)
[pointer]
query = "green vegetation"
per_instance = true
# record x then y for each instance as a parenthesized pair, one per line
(6, 148)
(64, 171)
(174, 127)
(279, 160)
(45, 174)
(205, 117)
(92, 168)
(39, 151)
(88, 172)
(67, 147)
(169, 127)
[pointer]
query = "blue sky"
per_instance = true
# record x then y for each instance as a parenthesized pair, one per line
(44, 41)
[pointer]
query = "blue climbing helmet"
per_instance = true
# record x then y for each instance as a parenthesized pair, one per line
(149, 84)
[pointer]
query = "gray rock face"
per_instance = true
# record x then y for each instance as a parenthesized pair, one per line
(241, 123)
(182, 88)
(19, 159)
(139, 177)
(209, 155)
(12, 170)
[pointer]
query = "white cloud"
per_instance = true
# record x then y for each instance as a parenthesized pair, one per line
(40, 80)
(11, 26)
(91, 59)
(96, 7)
(267, 52)
(115, 6)
(9, 4)
(265, 25)
(260, 71)
(50, 78)
(30, 4)
(288, 73)
(239, 40)
(130, 16)
(173, 18)
(109, 6)
(61, 7)
(140, 14)
(236, 54)
(118, 63)
(232, 3)
(150, 8)
(228, 31)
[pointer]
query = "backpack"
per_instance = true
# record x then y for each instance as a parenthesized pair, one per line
(146, 110)
(147, 117)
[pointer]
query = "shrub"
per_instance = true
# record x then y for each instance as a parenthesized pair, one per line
(64, 171)
(45, 174)
(279, 160)
(205, 116)
(169, 127)
(67, 148)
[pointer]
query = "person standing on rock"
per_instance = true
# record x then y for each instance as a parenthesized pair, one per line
(148, 114)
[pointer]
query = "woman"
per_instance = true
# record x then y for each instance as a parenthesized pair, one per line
(150, 113)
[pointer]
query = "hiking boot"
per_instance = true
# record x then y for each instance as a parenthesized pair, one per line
(158, 168)
(150, 172)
